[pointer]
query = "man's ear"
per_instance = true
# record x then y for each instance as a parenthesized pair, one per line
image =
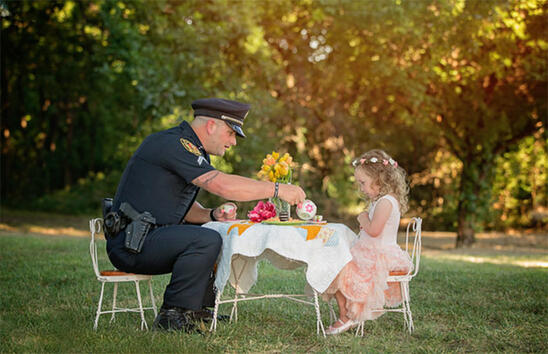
(211, 126)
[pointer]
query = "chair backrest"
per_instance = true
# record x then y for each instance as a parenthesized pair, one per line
(415, 226)
(95, 227)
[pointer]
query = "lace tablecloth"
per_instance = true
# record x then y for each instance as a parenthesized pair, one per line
(323, 248)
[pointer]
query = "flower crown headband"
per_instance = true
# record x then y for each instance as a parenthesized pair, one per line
(385, 162)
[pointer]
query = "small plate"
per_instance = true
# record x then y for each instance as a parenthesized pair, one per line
(287, 223)
(323, 222)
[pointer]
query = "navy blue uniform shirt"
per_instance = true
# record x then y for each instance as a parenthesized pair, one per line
(158, 177)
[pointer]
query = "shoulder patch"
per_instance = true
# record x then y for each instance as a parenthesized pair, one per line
(190, 147)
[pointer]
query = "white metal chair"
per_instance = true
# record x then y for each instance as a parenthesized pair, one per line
(116, 276)
(415, 226)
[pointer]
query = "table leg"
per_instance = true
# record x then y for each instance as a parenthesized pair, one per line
(234, 312)
(213, 327)
(319, 323)
(237, 275)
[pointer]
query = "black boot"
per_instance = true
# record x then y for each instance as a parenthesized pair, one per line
(174, 319)
(206, 315)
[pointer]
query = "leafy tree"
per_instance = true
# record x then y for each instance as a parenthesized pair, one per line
(448, 88)
(67, 73)
(520, 188)
(487, 93)
(472, 73)
(338, 96)
(84, 82)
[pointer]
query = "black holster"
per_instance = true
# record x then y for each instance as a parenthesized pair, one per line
(137, 229)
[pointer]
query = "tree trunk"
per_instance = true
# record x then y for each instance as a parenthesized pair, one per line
(474, 196)
(466, 235)
(4, 106)
(466, 209)
(68, 160)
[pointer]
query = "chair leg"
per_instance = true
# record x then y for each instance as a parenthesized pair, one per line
(152, 298)
(403, 307)
(99, 307)
(408, 308)
(332, 315)
(359, 329)
(114, 294)
(141, 311)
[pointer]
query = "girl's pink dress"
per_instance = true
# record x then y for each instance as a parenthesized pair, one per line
(363, 280)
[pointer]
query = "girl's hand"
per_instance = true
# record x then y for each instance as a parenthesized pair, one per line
(363, 219)
(375, 225)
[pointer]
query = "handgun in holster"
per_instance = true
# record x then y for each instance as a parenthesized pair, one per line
(137, 230)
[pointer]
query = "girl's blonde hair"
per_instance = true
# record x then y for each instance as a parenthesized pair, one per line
(386, 174)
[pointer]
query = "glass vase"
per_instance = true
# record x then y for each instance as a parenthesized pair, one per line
(283, 208)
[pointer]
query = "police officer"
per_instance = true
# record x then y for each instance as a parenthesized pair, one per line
(163, 178)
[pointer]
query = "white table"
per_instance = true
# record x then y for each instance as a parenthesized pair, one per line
(323, 248)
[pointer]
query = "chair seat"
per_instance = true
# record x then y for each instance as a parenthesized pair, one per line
(115, 273)
(398, 272)
(113, 276)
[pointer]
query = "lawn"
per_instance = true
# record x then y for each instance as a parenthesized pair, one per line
(499, 303)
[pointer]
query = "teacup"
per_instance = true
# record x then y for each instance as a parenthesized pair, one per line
(306, 210)
(227, 208)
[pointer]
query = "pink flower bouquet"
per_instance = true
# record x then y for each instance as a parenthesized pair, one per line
(262, 211)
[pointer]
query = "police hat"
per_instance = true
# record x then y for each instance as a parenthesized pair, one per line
(232, 112)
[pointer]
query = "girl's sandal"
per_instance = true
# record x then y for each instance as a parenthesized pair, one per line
(345, 327)
(332, 329)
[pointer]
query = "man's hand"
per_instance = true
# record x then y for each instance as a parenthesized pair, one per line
(291, 193)
(225, 212)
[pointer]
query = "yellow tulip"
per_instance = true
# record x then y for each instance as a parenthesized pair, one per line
(276, 167)
(283, 168)
(286, 158)
(269, 160)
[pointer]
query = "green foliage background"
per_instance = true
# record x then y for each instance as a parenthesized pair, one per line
(455, 90)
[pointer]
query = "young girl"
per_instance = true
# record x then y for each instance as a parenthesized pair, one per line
(361, 285)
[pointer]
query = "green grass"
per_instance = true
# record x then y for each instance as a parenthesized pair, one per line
(49, 295)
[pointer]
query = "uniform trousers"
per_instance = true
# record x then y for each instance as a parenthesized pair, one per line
(188, 252)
